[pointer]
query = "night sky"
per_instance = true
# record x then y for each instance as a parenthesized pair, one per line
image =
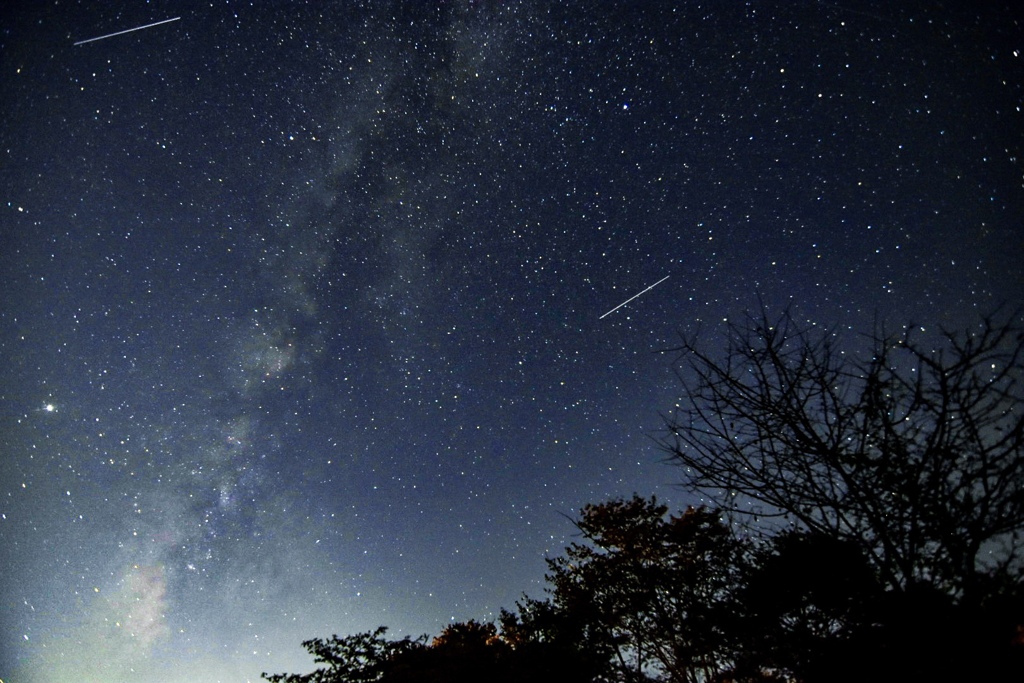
(301, 304)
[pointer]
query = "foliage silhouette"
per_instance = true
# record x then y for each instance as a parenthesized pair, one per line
(650, 588)
(462, 653)
(358, 658)
(868, 529)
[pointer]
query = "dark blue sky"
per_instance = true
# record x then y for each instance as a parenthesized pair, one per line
(301, 306)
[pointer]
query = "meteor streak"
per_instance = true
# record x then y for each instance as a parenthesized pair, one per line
(634, 296)
(137, 28)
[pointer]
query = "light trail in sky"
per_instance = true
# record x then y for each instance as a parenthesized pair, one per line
(137, 28)
(634, 297)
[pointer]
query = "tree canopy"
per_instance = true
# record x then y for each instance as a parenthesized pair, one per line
(914, 451)
(867, 527)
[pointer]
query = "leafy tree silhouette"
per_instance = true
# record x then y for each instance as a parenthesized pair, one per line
(649, 588)
(873, 510)
(463, 653)
(358, 658)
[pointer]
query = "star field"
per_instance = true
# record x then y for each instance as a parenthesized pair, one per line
(301, 311)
